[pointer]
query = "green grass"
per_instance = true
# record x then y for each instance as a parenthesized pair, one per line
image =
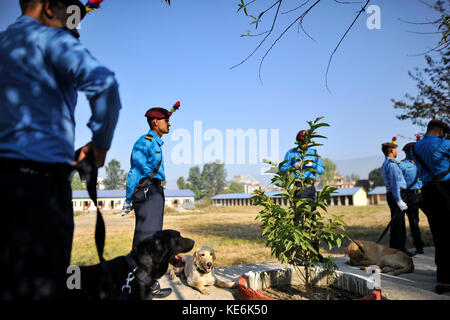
(232, 231)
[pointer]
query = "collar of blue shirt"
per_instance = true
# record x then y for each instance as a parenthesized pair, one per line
(156, 137)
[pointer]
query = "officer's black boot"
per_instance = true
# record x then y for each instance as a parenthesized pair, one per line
(157, 292)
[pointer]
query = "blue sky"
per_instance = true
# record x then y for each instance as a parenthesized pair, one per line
(162, 54)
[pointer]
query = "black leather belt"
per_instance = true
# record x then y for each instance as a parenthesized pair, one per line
(156, 182)
(417, 191)
(34, 167)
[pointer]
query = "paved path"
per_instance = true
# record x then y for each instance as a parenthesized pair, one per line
(413, 286)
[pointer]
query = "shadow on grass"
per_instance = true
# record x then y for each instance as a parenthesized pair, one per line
(252, 232)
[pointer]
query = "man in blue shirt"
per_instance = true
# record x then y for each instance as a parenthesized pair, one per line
(413, 195)
(395, 187)
(311, 161)
(432, 157)
(145, 193)
(42, 68)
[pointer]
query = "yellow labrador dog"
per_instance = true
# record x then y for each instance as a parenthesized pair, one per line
(199, 270)
(387, 259)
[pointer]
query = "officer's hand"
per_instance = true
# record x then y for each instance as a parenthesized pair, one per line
(127, 207)
(99, 154)
(402, 205)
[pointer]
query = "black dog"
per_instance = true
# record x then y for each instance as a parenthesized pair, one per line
(146, 263)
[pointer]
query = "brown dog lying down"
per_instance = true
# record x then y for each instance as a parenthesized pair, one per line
(386, 258)
(199, 270)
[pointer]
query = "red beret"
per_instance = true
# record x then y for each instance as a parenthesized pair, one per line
(158, 113)
(301, 135)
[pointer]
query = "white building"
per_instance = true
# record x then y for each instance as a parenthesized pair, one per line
(250, 184)
(114, 199)
(341, 197)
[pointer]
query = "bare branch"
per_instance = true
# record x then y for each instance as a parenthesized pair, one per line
(304, 3)
(347, 2)
(265, 38)
(282, 34)
(342, 39)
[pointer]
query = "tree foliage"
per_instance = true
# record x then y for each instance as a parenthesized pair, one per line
(329, 176)
(376, 178)
(293, 233)
(236, 187)
(116, 177)
(433, 82)
(77, 184)
(207, 182)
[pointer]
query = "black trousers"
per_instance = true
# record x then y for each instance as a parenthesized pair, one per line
(36, 232)
(436, 205)
(397, 235)
(414, 201)
(149, 214)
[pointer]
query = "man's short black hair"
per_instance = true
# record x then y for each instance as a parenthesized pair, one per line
(386, 150)
(27, 4)
(150, 122)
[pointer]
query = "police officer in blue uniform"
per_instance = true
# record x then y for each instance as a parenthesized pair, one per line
(432, 157)
(413, 195)
(312, 161)
(144, 190)
(42, 68)
(396, 196)
(293, 158)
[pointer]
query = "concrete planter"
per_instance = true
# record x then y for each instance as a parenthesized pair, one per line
(251, 283)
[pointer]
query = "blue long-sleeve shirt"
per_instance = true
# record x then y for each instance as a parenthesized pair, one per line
(393, 177)
(410, 172)
(145, 156)
(41, 71)
(435, 152)
(293, 156)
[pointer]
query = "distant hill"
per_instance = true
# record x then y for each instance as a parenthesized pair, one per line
(361, 166)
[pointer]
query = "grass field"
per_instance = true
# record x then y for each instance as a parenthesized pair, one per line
(232, 231)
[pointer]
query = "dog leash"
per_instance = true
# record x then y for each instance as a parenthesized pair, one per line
(89, 172)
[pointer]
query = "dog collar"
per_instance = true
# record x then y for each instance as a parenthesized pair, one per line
(201, 270)
(139, 273)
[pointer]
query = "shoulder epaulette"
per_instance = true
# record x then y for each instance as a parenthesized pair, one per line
(149, 137)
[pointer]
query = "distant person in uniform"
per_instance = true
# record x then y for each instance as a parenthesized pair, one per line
(396, 196)
(413, 195)
(42, 68)
(432, 157)
(293, 159)
(312, 161)
(144, 189)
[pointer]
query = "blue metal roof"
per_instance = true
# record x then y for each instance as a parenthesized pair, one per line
(168, 193)
(378, 190)
(344, 192)
(276, 194)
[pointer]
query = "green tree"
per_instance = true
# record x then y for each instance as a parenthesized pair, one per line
(433, 82)
(328, 177)
(213, 177)
(293, 232)
(77, 184)
(182, 184)
(363, 183)
(115, 176)
(236, 187)
(376, 178)
(195, 181)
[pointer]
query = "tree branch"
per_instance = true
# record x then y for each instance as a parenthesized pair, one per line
(342, 39)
